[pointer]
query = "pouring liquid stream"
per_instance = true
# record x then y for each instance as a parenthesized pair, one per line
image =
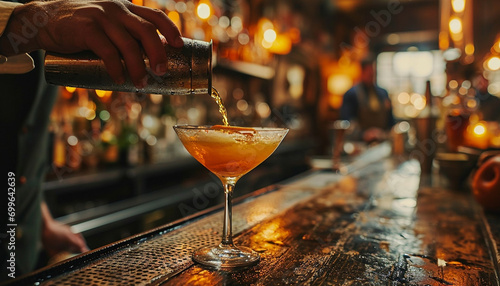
(222, 109)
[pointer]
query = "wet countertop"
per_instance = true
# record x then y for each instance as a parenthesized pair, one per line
(374, 224)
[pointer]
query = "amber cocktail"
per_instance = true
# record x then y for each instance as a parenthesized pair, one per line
(229, 152)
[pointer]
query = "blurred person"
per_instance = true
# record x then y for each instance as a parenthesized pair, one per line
(489, 105)
(368, 107)
(115, 30)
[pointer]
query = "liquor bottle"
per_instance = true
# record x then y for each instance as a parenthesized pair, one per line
(426, 145)
(456, 121)
(189, 71)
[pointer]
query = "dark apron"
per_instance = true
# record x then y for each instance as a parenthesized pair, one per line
(367, 116)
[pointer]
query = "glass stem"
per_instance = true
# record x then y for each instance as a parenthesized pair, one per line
(227, 232)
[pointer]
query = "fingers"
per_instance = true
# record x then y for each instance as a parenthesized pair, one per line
(158, 18)
(130, 50)
(153, 46)
(104, 49)
(130, 30)
(78, 243)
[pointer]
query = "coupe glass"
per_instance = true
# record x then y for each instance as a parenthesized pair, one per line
(229, 152)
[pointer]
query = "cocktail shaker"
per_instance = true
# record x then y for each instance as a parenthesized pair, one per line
(189, 71)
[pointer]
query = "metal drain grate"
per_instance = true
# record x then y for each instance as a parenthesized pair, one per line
(140, 264)
(169, 253)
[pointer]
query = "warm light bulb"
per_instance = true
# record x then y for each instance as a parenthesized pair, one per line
(479, 129)
(403, 98)
(102, 93)
(203, 11)
(70, 89)
(455, 25)
(469, 49)
(270, 35)
(458, 5)
(494, 63)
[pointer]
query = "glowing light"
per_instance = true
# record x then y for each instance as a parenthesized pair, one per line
(107, 136)
(70, 89)
(103, 93)
(151, 140)
(471, 103)
(419, 64)
(243, 39)
(444, 43)
(419, 103)
(265, 24)
(493, 63)
(458, 5)
(335, 100)
(175, 17)
(236, 24)
(479, 129)
(135, 108)
(242, 105)
(453, 84)
(339, 83)
(104, 115)
(455, 25)
(224, 22)
(156, 98)
(263, 109)
(266, 44)
(469, 49)
(462, 90)
(72, 140)
(410, 111)
(494, 88)
(90, 114)
(213, 21)
(452, 54)
(270, 35)
(148, 121)
(466, 84)
(82, 111)
(404, 98)
(203, 10)
(349, 148)
(282, 45)
(404, 126)
(393, 39)
(181, 7)
(414, 97)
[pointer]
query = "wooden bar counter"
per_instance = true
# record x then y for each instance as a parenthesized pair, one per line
(374, 225)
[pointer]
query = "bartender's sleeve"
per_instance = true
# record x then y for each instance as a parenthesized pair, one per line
(17, 64)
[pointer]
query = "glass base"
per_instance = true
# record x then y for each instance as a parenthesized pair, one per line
(226, 257)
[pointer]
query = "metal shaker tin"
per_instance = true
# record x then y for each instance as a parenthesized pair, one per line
(189, 71)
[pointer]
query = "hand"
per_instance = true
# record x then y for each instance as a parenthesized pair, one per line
(112, 29)
(57, 237)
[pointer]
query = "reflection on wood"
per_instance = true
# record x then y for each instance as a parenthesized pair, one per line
(376, 229)
(374, 226)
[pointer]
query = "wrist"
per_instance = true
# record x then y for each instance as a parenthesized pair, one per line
(21, 32)
(46, 216)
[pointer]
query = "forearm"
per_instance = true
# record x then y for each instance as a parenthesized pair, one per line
(21, 32)
(46, 216)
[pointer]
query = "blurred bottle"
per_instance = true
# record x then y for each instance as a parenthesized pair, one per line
(456, 121)
(425, 126)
